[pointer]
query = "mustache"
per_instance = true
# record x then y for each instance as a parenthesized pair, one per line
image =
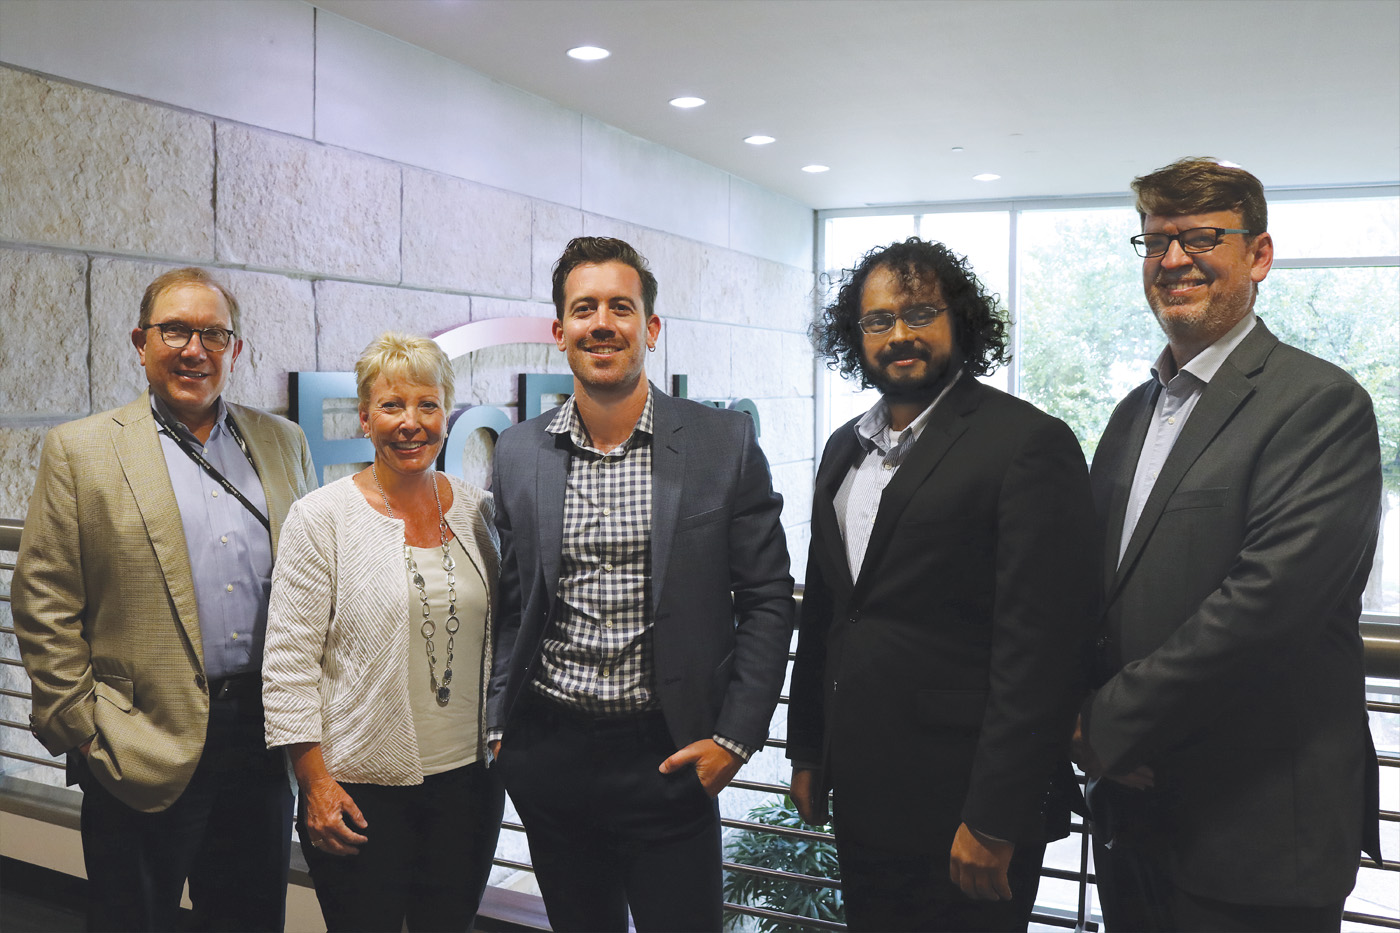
(909, 351)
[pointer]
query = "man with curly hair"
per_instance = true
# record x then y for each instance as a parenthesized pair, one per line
(949, 592)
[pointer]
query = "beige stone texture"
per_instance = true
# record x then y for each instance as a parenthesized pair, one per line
(740, 289)
(702, 352)
(278, 328)
(19, 465)
(350, 315)
(675, 261)
(770, 363)
(291, 205)
(485, 309)
(276, 324)
(463, 236)
(794, 482)
(89, 170)
(44, 338)
(553, 226)
(786, 425)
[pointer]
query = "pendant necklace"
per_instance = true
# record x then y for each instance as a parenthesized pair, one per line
(443, 688)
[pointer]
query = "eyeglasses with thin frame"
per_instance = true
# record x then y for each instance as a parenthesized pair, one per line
(882, 322)
(1195, 240)
(177, 336)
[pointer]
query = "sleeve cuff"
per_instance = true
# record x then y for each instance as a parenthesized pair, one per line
(745, 752)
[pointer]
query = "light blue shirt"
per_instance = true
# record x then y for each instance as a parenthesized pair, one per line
(858, 500)
(230, 551)
(1181, 390)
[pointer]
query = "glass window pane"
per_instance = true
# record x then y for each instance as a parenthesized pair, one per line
(1352, 318)
(1087, 336)
(849, 238)
(1323, 229)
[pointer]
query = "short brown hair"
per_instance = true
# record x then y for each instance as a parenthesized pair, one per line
(594, 250)
(394, 355)
(190, 275)
(1201, 185)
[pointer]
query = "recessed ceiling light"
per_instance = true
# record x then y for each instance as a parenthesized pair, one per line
(588, 53)
(957, 148)
(816, 169)
(759, 140)
(685, 103)
(986, 176)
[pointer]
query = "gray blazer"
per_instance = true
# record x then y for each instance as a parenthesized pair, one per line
(1231, 625)
(721, 593)
(103, 596)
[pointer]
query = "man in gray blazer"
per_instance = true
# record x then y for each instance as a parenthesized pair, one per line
(1235, 783)
(644, 620)
(140, 598)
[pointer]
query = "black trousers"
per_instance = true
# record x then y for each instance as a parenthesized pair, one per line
(607, 830)
(427, 859)
(229, 834)
(1136, 888)
(887, 892)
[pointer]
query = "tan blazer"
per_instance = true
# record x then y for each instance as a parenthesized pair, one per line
(103, 597)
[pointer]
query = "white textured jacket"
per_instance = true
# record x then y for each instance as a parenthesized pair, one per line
(335, 664)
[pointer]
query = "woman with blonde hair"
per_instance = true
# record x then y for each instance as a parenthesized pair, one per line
(378, 652)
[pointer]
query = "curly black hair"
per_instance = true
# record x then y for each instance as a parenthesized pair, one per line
(980, 327)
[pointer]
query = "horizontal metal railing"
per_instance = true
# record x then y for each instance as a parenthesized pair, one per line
(1382, 643)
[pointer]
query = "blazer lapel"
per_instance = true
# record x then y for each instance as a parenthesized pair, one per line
(667, 479)
(1231, 386)
(844, 450)
(1122, 475)
(947, 423)
(551, 475)
(143, 461)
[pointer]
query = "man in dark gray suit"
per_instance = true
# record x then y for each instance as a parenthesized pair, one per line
(644, 620)
(1235, 782)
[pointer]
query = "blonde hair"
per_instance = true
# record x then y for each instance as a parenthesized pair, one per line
(403, 357)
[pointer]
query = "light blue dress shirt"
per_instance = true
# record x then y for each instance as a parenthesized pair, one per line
(1181, 390)
(230, 551)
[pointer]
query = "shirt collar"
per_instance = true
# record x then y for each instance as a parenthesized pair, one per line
(1207, 363)
(567, 421)
(220, 413)
(873, 428)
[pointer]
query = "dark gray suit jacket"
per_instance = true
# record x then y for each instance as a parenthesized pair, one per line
(1231, 625)
(721, 592)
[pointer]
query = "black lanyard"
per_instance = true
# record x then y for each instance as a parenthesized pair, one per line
(169, 429)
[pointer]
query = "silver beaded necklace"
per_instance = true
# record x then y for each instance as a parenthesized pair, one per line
(442, 688)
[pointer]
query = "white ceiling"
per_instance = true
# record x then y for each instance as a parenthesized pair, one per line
(1059, 97)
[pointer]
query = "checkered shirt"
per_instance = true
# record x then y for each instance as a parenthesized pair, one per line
(597, 653)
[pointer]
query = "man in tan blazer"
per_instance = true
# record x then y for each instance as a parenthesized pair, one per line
(140, 598)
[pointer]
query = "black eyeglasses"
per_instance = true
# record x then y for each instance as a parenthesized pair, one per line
(1195, 240)
(882, 322)
(177, 336)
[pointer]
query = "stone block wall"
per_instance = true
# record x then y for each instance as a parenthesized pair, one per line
(331, 228)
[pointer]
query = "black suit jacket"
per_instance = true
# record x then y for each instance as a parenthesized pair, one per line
(1231, 624)
(721, 593)
(939, 685)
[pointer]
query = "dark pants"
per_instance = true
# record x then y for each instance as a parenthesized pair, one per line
(607, 830)
(1137, 891)
(229, 834)
(427, 859)
(888, 892)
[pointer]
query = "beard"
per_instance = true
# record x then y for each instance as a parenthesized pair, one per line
(1185, 318)
(922, 385)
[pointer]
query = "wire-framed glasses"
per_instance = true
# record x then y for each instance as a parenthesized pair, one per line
(882, 322)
